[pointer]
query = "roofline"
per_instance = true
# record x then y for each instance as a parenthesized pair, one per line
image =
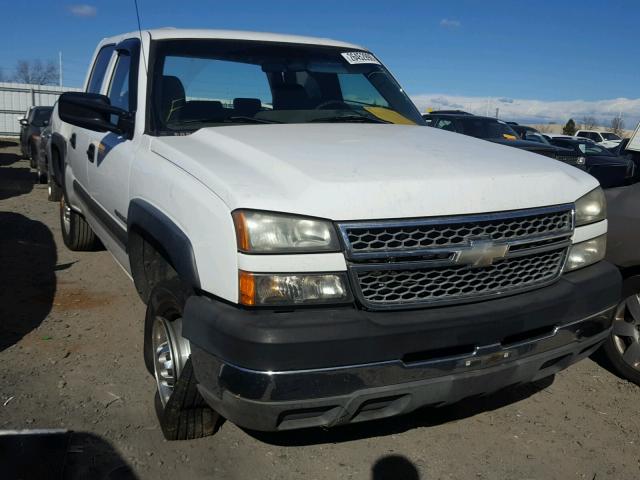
(211, 34)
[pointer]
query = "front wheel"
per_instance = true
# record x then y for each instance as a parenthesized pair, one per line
(54, 192)
(622, 348)
(181, 410)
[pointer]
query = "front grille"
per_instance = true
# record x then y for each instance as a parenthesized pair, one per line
(454, 231)
(397, 287)
(400, 264)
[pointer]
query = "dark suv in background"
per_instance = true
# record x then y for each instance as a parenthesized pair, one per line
(497, 131)
(31, 126)
(611, 170)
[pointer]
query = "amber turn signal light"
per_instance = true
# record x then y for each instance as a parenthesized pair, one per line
(247, 288)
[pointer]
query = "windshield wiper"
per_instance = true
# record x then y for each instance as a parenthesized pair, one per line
(349, 119)
(230, 119)
(241, 119)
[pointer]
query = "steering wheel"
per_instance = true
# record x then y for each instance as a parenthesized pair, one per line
(341, 105)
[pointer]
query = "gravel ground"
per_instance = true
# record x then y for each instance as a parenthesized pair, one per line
(70, 356)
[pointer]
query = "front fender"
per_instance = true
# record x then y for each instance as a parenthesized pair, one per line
(152, 223)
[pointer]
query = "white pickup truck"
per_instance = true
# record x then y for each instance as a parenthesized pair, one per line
(309, 253)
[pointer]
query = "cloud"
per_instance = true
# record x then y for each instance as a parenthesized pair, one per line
(449, 23)
(536, 111)
(83, 10)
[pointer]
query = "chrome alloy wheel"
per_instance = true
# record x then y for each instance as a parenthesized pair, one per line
(170, 353)
(66, 215)
(626, 331)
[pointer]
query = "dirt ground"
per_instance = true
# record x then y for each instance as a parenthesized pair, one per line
(70, 358)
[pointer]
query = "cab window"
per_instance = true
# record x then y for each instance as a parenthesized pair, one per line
(100, 69)
(119, 88)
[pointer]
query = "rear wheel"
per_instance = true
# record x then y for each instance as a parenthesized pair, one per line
(42, 176)
(181, 410)
(54, 192)
(622, 348)
(32, 155)
(76, 232)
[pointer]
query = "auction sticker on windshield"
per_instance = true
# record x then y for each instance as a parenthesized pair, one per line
(355, 58)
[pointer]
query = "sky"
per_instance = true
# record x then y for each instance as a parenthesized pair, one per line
(537, 61)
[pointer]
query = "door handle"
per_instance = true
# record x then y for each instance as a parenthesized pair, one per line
(91, 152)
(72, 140)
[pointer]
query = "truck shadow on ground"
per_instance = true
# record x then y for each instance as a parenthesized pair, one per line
(27, 259)
(27, 277)
(425, 417)
(8, 143)
(60, 455)
(14, 181)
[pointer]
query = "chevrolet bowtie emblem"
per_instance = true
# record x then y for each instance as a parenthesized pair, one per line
(482, 253)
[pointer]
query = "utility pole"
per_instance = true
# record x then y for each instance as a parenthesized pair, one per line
(60, 66)
(497, 111)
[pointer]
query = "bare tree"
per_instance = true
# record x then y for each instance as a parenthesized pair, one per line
(36, 72)
(544, 128)
(617, 125)
(588, 123)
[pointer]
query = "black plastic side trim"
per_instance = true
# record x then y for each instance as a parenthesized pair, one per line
(57, 174)
(147, 218)
(116, 231)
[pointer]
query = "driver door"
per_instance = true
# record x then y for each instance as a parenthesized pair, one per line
(112, 154)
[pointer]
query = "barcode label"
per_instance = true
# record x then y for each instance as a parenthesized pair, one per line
(355, 58)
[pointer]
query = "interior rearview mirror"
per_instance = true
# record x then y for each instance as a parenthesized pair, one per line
(94, 112)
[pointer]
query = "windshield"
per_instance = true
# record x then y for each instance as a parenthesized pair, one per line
(40, 115)
(583, 147)
(536, 137)
(610, 136)
(201, 83)
(487, 128)
(594, 149)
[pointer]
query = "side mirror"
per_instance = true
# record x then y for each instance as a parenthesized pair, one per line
(94, 112)
(24, 122)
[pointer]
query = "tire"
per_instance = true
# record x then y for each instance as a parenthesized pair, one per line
(54, 192)
(182, 412)
(41, 176)
(76, 232)
(622, 348)
(32, 156)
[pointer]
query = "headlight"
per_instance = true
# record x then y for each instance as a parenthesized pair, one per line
(586, 253)
(591, 208)
(258, 289)
(264, 232)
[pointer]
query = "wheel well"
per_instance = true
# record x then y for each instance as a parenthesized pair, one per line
(56, 168)
(150, 263)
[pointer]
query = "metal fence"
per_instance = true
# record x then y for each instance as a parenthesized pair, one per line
(16, 98)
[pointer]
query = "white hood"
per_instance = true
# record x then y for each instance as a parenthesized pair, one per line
(368, 171)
